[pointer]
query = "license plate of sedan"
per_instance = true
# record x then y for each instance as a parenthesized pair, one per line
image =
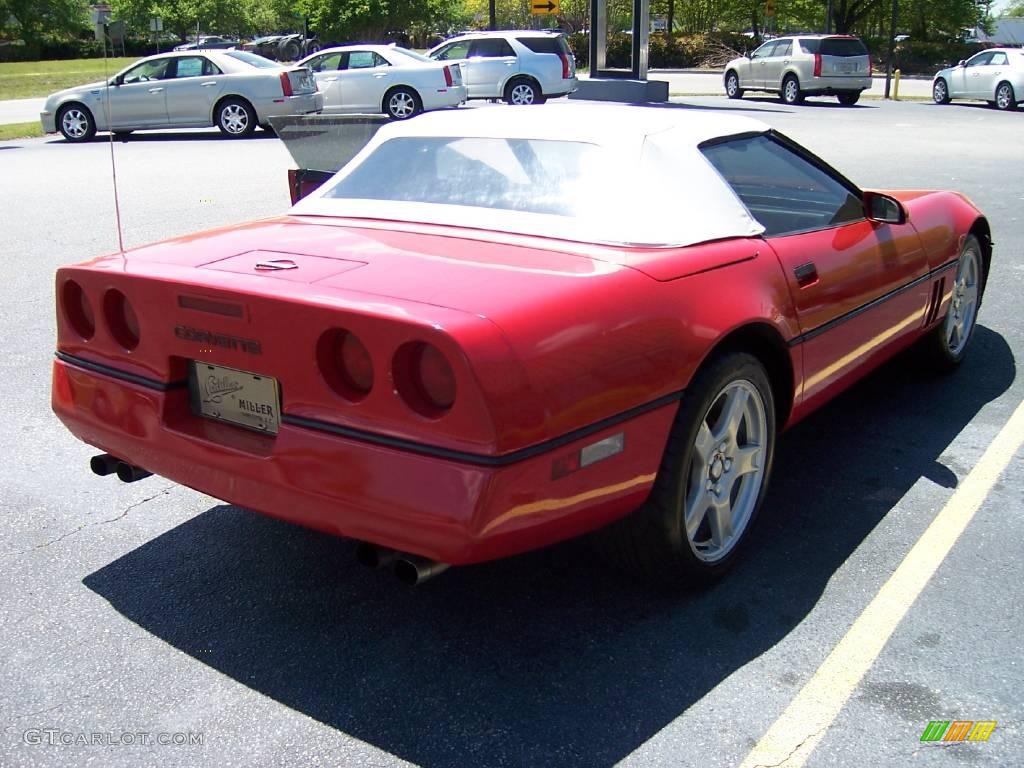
(237, 397)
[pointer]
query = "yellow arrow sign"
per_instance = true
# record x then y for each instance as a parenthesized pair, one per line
(544, 7)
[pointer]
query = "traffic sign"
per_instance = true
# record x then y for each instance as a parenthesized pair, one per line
(544, 7)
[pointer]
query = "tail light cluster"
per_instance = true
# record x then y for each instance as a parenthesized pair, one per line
(565, 65)
(448, 76)
(421, 374)
(817, 65)
(286, 85)
(117, 313)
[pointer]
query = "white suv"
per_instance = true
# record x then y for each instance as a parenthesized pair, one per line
(519, 66)
(803, 65)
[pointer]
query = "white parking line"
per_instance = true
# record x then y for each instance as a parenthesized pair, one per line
(791, 739)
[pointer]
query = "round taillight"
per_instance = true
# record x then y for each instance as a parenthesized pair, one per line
(121, 319)
(424, 379)
(345, 364)
(78, 310)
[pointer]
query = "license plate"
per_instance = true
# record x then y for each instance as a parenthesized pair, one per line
(237, 397)
(847, 68)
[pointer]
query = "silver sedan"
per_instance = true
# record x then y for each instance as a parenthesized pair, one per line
(233, 90)
(995, 76)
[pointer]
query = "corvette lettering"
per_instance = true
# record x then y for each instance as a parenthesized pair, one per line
(217, 339)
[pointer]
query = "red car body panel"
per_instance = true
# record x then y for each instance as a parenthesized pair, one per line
(554, 346)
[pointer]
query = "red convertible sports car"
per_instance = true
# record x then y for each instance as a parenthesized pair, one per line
(496, 329)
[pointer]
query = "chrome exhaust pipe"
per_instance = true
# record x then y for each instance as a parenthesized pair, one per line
(104, 464)
(413, 569)
(373, 556)
(129, 473)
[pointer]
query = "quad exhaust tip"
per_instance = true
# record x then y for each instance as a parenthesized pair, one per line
(104, 464)
(408, 569)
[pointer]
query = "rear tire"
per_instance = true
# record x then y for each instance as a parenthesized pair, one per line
(712, 480)
(940, 92)
(1006, 100)
(947, 343)
(791, 93)
(401, 103)
(848, 98)
(76, 123)
(236, 118)
(523, 91)
(732, 86)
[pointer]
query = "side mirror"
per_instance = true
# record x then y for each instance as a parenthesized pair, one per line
(962, 63)
(884, 208)
(117, 80)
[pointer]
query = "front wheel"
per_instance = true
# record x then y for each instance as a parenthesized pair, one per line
(940, 92)
(402, 103)
(523, 92)
(791, 93)
(76, 123)
(848, 98)
(948, 342)
(236, 118)
(732, 86)
(712, 479)
(1005, 98)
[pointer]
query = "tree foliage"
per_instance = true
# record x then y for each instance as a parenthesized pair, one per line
(32, 20)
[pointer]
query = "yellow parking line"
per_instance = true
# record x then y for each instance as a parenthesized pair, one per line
(791, 739)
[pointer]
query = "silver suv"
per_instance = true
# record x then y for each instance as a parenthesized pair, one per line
(519, 66)
(796, 66)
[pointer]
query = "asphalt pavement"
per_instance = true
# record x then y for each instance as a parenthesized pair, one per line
(134, 613)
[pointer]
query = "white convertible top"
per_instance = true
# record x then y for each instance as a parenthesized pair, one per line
(651, 185)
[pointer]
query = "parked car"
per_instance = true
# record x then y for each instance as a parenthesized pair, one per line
(209, 42)
(796, 66)
(520, 66)
(233, 90)
(995, 76)
(283, 47)
(381, 78)
(462, 347)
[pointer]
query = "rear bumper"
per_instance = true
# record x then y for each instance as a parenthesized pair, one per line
(302, 104)
(830, 85)
(449, 510)
(452, 96)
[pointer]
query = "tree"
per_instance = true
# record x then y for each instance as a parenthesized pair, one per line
(1015, 9)
(34, 19)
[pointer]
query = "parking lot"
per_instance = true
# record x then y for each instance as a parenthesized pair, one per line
(151, 609)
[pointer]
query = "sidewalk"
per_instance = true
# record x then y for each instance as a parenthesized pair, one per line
(20, 110)
(681, 83)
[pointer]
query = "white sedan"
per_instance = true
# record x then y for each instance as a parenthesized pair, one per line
(995, 75)
(381, 78)
(233, 90)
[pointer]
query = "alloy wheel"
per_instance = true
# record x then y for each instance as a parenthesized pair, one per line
(726, 472)
(963, 308)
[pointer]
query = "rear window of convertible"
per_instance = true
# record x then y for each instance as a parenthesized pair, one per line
(529, 175)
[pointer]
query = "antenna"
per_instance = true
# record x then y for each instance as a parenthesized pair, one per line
(110, 133)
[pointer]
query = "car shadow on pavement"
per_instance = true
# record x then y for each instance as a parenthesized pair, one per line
(551, 657)
(137, 137)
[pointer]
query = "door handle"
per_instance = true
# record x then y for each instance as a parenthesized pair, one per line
(211, 82)
(330, 79)
(381, 74)
(155, 90)
(806, 274)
